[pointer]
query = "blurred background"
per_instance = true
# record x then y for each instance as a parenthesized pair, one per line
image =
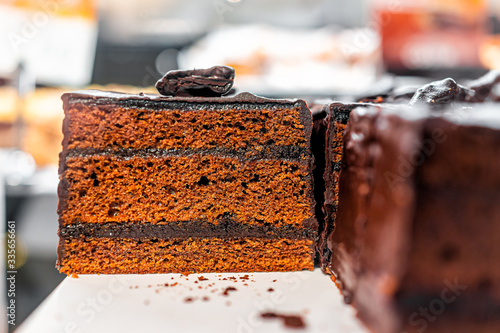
(311, 49)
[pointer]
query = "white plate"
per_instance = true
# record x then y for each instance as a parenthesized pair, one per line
(144, 303)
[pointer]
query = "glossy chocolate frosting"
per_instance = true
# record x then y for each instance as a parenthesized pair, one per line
(417, 219)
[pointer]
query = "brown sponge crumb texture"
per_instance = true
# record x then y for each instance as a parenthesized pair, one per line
(128, 256)
(104, 188)
(101, 127)
(240, 169)
(337, 158)
(333, 173)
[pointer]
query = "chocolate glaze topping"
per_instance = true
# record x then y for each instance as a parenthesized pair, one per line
(155, 101)
(211, 82)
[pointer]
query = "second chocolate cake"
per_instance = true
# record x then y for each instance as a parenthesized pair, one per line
(416, 241)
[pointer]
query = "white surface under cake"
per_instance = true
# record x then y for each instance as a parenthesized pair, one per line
(193, 303)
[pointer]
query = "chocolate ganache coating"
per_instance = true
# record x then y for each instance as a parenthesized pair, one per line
(211, 82)
(417, 217)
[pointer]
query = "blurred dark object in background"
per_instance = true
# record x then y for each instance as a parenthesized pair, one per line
(131, 64)
(139, 41)
(432, 38)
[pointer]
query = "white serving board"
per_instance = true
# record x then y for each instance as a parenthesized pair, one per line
(143, 303)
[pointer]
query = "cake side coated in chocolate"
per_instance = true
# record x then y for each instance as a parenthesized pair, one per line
(319, 113)
(415, 245)
(337, 117)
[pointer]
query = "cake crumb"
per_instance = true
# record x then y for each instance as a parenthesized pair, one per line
(270, 290)
(227, 290)
(74, 276)
(289, 321)
(205, 299)
(202, 278)
(188, 299)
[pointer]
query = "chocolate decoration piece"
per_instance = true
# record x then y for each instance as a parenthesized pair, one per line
(211, 82)
(439, 93)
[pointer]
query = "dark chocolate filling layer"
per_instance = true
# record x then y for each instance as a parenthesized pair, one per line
(225, 228)
(267, 152)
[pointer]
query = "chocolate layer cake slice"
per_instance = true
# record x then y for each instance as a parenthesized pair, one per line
(153, 184)
(417, 234)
